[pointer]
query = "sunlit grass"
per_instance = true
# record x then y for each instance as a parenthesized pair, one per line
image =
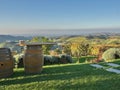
(83, 59)
(63, 77)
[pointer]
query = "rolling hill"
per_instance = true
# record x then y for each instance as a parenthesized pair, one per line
(12, 38)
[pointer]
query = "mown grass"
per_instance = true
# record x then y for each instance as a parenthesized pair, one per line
(83, 59)
(117, 61)
(117, 68)
(63, 77)
(105, 64)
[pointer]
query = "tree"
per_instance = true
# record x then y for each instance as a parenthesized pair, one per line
(66, 48)
(46, 48)
(80, 49)
(36, 39)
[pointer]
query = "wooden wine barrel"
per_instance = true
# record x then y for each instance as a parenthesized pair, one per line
(6, 63)
(33, 59)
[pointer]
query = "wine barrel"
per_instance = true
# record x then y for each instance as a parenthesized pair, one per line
(33, 59)
(6, 63)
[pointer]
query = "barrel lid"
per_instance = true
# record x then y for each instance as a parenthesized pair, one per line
(37, 44)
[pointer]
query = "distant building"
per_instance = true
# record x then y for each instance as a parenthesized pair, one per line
(22, 43)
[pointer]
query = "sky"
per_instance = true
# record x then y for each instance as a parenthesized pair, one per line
(49, 16)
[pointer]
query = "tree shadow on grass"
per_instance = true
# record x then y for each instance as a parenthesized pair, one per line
(53, 73)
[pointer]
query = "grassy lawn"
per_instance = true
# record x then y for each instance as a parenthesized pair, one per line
(105, 65)
(83, 59)
(63, 77)
(117, 61)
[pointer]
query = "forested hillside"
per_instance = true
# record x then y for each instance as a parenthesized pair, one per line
(12, 38)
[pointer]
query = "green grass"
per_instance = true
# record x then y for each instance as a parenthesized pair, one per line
(74, 59)
(83, 59)
(115, 61)
(105, 65)
(63, 77)
(117, 68)
(86, 58)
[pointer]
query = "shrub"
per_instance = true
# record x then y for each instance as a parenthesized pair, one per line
(62, 58)
(65, 58)
(19, 60)
(69, 59)
(56, 59)
(48, 59)
(110, 54)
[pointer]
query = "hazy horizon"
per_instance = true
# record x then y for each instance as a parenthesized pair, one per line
(65, 32)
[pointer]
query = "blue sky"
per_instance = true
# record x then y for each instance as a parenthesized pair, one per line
(29, 16)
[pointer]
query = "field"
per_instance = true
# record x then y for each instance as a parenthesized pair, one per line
(63, 77)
